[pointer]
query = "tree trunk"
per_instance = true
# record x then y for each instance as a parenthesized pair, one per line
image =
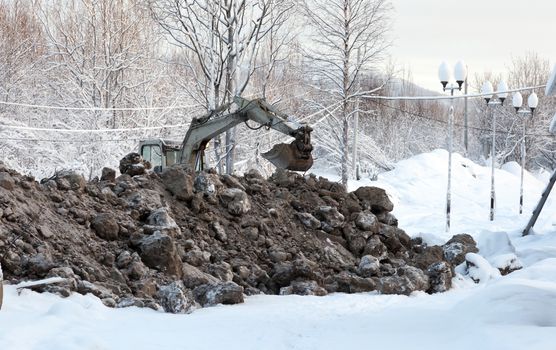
(230, 90)
(345, 150)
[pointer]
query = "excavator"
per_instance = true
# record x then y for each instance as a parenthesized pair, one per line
(294, 156)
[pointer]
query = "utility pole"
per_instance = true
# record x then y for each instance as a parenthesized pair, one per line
(465, 120)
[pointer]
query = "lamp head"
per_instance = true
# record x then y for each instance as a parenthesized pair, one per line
(460, 73)
(517, 100)
(502, 91)
(487, 90)
(444, 74)
(533, 101)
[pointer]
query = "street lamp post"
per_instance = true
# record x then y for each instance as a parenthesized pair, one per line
(460, 74)
(532, 102)
(488, 91)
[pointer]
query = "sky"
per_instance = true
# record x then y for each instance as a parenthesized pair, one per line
(486, 34)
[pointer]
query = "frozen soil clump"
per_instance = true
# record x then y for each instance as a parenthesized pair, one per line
(177, 241)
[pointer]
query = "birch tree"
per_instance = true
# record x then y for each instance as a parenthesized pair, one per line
(341, 31)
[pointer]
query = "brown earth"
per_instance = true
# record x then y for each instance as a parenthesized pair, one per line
(177, 241)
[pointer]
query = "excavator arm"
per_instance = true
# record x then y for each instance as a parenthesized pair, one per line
(294, 156)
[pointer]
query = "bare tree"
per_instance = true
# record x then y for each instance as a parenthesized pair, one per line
(96, 49)
(342, 31)
(21, 44)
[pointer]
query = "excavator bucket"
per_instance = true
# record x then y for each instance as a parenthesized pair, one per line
(295, 156)
(283, 156)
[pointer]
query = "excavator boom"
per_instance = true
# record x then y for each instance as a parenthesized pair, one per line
(293, 156)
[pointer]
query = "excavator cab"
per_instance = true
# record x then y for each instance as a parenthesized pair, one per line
(160, 153)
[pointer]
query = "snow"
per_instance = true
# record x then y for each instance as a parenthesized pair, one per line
(516, 311)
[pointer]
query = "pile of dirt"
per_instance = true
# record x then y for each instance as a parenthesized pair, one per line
(178, 240)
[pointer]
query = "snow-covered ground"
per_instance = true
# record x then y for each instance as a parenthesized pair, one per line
(517, 311)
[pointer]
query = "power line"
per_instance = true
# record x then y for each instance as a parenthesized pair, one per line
(28, 128)
(445, 97)
(455, 124)
(67, 141)
(95, 109)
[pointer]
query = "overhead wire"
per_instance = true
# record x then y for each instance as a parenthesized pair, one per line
(455, 124)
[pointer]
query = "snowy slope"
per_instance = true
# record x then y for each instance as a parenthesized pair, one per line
(513, 312)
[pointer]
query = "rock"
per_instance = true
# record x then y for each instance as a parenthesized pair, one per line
(346, 282)
(336, 255)
(220, 293)
(231, 181)
(145, 288)
(70, 180)
(143, 200)
(124, 259)
(390, 236)
(129, 302)
(137, 270)
(308, 220)
(106, 226)
(179, 182)
(175, 299)
(219, 231)
(357, 240)
(251, 232)
(7, 181)
(45, 231)
(375, 248)
(282, 274)
(367, 221)
(369, 266)
(193, 277)
(133, 164)
(331, 216)
(387, 218)
(160, 220)
(158, 251)
(197, 257)
(109, 302)
(108, 174)
(374, 199)
(39, 264)
(84, 287)
(236, 201)
(440, 277)
(64, 272)
(303, 288)
(207, 184)
(427, 256)
(222, 271)
(457, 247)
(408, 280)
(277, 255)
